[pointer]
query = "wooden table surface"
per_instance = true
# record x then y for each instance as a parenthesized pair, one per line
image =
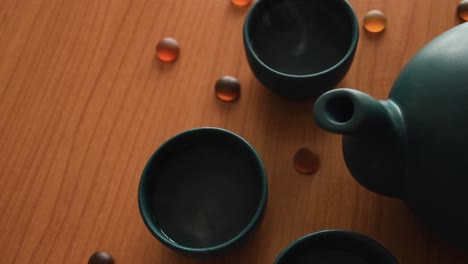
(84, 103)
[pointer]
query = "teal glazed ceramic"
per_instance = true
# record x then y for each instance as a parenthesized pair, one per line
(203, 191)
(414, 145)
(335, 247)
(300, 48)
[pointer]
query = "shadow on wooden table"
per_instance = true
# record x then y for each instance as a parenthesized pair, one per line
(279, 115)
(408, 239)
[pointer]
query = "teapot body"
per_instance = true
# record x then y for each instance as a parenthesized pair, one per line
(414, 145)
(432, 94)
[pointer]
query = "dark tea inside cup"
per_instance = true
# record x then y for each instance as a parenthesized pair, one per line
(300, 48)
(203, 190)
(301, 37)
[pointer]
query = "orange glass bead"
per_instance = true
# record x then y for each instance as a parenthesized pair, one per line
(375, 21)
(167, 49)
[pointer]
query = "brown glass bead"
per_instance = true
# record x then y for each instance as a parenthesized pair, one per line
(227, 89)
(101, 257)
(462, 10)
(306, 161)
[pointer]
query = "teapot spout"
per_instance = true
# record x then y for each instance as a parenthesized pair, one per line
(351, 112)
(374, 137)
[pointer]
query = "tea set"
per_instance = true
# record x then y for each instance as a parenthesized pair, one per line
(205, 190)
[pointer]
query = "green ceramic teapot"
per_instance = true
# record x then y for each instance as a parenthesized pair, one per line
(413, 146)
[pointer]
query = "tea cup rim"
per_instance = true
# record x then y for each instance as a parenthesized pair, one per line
(145, 210)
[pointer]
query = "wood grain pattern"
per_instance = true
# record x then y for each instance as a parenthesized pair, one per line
(83, 104)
